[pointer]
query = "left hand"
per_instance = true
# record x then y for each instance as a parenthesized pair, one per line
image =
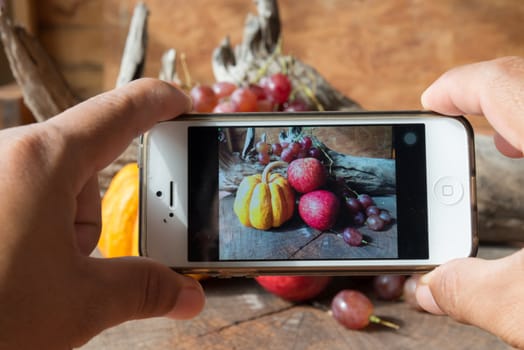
(52, 294)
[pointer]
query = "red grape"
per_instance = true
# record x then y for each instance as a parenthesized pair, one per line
(375, 223)
(365, 200)
(225, 107)
(372, 210)
(306, 143)
(258, 91)
(353, 237)
(276, 148)
(359, 218)
(297, 105)
(245, 100)
(295, 147)
(264, 106)
(385, 216)
(287, 155)
(353, 205)
(223, 89)
(315, 153)
(262, 147)
(354, 310)
(204, 98)
(263, 158)
(277, 87)
(389, 287)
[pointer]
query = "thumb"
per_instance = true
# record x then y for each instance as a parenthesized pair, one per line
(484, 293)
(130, 288)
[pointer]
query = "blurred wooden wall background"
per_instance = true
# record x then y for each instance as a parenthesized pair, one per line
(380, 53)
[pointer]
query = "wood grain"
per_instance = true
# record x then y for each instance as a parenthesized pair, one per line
(239, 314)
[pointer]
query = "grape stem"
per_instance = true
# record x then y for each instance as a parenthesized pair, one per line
(378, 320)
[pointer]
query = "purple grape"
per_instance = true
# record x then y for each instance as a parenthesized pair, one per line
(365, 200)
(385, 216)
(353, 205)
(359, 218)
(372, 210)
(315, 153)
(352, 236)
(389, 287)
(375, 223)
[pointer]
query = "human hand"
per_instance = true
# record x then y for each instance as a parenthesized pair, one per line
(487, 294)
(52, 294)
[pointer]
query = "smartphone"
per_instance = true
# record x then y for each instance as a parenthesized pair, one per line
(308, 193)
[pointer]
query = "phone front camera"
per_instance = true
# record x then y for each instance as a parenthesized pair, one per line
(410, 138)
(159, 193)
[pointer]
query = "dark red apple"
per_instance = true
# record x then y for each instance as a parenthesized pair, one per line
(306, 174)
(294, 288)
(319, 209)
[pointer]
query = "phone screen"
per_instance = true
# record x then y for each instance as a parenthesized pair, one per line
(384, 164)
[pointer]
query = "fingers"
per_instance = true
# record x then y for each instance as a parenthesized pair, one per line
(135, 288)
(88, 222)
(98, 130)
(487, 294)
(494, 89)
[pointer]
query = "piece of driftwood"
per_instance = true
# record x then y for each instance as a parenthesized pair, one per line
(133, 59)
(374, 176)
(500, 194)
(131, 67)
(260, 54)
(45, 90)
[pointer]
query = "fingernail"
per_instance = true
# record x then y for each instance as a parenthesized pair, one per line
(189, 303)
(426, 300)
(423, 98)
(426, 278)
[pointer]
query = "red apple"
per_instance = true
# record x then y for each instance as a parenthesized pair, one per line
(306, 174)
(319, 209)
(294, 288)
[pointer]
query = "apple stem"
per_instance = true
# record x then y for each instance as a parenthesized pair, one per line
(378, 320)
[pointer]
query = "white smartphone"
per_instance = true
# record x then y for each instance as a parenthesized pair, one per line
(308, 193)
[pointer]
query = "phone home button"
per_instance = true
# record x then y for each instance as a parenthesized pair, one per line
(448, 190)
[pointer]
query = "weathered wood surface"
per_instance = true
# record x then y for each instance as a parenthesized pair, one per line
(239, 314)
(295, 240)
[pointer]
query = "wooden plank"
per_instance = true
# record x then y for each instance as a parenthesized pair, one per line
(295, 240)
(239, 314)
(67, 13)
(383, 54)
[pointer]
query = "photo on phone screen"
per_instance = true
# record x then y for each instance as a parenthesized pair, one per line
(337, 192)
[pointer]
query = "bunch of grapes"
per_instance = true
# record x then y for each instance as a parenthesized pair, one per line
(273, 93)
(287, 151)
(363, 210)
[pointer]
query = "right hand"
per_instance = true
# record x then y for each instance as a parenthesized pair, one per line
(487, 294)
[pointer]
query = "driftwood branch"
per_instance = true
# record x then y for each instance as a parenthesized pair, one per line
(45, 90)
(260, 54)
(133, 59)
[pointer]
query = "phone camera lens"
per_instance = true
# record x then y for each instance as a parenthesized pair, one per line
(410, 138)
(171, 215)
(159, 193)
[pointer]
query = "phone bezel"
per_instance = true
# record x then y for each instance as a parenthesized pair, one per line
(463, 153)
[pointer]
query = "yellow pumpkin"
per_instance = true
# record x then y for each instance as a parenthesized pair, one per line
(119, 236)
(264, 200)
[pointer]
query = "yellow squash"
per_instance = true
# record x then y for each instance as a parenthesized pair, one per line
(119, 235)
(264, 200)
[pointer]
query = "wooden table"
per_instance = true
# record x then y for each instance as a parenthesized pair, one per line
(239, 314)
(296, 240)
